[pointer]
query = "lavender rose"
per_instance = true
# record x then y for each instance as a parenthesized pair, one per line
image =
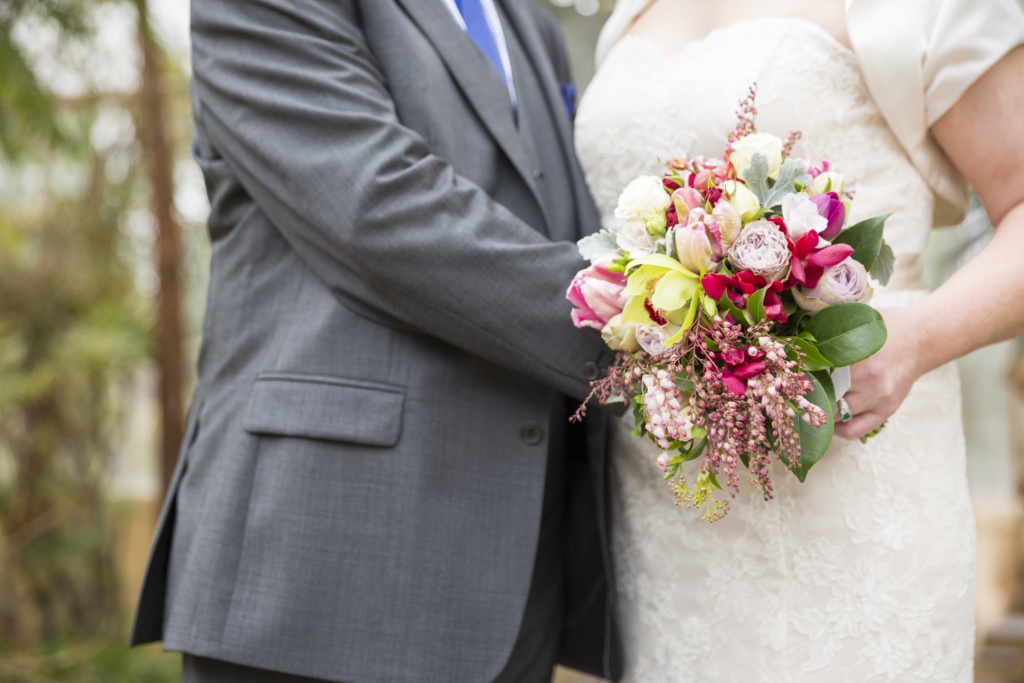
(845, 281)
(652, 339)
(762, 249)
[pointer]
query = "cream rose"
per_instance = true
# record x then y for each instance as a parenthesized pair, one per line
(742, 199)
(744, 149)
(829, 181)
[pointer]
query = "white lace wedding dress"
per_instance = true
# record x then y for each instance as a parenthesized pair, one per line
(866, 571)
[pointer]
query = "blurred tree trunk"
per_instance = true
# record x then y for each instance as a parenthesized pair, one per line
(170, 331)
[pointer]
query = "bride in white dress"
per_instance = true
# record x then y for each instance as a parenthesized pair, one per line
(866, 572)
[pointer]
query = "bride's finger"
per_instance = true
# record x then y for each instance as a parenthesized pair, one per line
(857, 402)
(859, 425)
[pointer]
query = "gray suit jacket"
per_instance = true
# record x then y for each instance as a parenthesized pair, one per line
(359, 493)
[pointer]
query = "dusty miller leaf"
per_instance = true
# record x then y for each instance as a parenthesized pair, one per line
(598, 245)
(790, 173)
(756, 177)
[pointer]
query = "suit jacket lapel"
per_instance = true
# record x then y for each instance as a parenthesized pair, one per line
(477, 78)
(526, 29)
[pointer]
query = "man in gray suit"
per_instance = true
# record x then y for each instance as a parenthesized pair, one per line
(379, 480)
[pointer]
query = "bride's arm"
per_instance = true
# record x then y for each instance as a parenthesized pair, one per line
(983, 302)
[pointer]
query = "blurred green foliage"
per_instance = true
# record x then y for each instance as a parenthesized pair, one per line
(74, 330)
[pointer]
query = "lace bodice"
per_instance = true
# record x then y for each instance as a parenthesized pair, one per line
(644, 106)
(864, 573)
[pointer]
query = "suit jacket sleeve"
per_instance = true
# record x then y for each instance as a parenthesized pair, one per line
(288, 93)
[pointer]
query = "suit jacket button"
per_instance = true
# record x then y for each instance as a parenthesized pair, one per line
(591, 371)
(531, 434)
(536, 173)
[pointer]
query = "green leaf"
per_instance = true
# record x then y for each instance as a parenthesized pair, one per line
(884, 265)
(598, 245)
(755, 304)
(847, 333)
(813, 360)
(866, 239)
(739, 315)
(814, 441)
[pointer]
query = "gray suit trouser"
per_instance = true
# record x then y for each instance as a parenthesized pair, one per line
(533, 656)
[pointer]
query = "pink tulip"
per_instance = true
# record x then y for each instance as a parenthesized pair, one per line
(597, 294)
(686, 199)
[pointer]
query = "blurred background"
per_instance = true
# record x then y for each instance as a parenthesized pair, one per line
(103, 263)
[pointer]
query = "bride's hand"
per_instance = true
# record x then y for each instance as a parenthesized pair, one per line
(879, 384)
(983, 135)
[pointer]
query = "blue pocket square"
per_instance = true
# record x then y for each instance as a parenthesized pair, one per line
(569, 95)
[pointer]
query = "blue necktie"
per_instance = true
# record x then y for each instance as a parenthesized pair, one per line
(479, 30)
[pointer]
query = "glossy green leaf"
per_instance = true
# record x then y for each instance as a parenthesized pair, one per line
(755, 304)
(884, 266)
(865, 238)
(812, 360)
(824, 378)
(847, 333)
(814, 441)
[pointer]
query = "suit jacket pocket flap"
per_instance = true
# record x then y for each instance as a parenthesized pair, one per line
(330, 408)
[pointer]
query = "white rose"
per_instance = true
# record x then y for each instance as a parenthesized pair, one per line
(801, 216)
(634, 239)
(829, 181)
(645, 199)
(744, 149)
(742, 199)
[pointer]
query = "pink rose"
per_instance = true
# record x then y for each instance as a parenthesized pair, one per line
(597, 294)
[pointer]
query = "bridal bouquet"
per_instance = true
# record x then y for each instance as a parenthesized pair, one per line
(731, 291)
